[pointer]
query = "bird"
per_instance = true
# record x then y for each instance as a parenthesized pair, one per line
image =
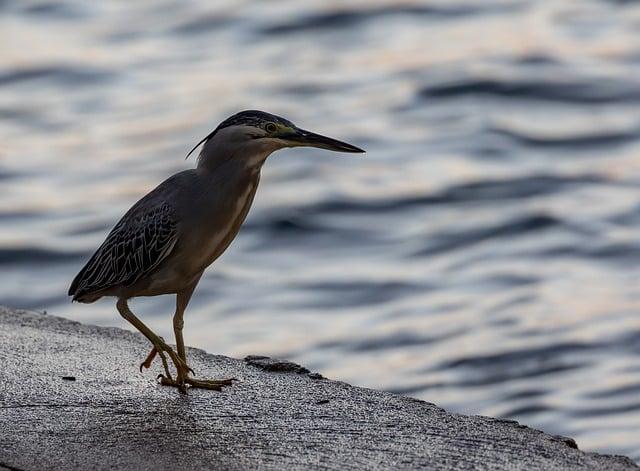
(165, 241)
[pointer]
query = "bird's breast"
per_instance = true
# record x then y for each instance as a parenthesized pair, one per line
(221, 224)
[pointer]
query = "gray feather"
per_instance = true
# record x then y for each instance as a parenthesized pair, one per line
(136, 246)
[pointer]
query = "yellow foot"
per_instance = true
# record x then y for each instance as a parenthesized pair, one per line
(146, 364)
(214, 384)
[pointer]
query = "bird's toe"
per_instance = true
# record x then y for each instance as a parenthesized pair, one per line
(171, 382)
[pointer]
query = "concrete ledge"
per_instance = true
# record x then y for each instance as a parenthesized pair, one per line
(279, 416)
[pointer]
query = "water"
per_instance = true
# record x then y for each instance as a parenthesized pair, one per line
(484, 255)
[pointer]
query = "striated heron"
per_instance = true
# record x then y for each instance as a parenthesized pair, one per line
(163, 244)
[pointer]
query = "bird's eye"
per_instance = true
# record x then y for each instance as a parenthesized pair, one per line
(270, 128)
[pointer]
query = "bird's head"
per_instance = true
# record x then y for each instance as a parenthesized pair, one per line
(253, 135)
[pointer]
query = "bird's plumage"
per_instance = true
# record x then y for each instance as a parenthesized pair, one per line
(137, 244)
(187, 222)
(253, 118)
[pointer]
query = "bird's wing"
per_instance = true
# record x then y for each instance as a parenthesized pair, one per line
(136, 245)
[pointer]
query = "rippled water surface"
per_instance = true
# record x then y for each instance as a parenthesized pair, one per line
(484, 255)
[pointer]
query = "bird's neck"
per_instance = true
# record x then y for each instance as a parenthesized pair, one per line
(229, 168)
(215, 154)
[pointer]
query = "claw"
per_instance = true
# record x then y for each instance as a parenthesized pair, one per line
(149, 360)
(183, 365)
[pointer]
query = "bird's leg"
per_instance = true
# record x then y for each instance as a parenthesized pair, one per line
(182, 300)
(159, 344)
(178, 324)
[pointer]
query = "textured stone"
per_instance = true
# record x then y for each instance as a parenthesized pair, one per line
(277, 416)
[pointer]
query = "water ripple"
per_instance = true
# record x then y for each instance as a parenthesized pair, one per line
(579, 92)
(396, 340)
(517, 358)
(445, 242)
(589, 141)
(203, 23)
(58, 75)
(357, 293)
(345, 18)
(488, 190)
(36, 255)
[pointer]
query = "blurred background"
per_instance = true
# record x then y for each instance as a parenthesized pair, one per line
(483, 255)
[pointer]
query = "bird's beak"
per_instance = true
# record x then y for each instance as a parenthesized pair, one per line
(302, 138)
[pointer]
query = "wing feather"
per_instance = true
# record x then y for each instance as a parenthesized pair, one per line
(140, 241)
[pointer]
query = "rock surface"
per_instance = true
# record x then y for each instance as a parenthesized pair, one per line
(71, 398)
